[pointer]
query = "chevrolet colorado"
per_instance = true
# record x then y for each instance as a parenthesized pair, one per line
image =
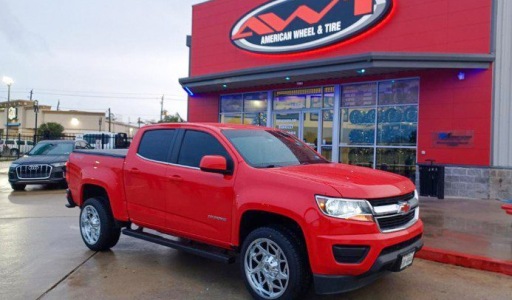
(252, 194)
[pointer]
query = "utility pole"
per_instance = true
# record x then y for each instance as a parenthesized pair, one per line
(109, 120)
(139, 122)
(31, 93)
(162, 109)
(36, 111)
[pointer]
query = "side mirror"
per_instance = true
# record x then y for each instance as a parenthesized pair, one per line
(214, 164)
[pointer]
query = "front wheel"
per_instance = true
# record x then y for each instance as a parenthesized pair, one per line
(97, 225)
(18, 187)
(274, 265)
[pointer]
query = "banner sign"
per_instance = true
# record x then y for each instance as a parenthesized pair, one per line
(287, 26)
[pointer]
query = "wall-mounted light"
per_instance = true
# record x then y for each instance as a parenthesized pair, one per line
(287, 78)
(461, 76)
(361, 72)
(75, 122)
(189, 92)
(225, 86)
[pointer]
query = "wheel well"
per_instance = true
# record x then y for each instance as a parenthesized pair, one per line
(255, 219)
(94, 191)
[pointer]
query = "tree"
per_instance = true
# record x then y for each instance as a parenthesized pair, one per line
(50, 130)
(176, 118)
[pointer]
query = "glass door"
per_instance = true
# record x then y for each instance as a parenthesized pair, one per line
(302, 124)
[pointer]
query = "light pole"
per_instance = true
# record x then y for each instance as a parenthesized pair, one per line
(36, 111)
(8, 81)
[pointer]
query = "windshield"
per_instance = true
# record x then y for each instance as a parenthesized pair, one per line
(52, 149)
(269, 149)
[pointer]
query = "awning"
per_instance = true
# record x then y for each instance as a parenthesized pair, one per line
(334, 68)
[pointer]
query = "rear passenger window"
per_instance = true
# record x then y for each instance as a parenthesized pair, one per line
(196, 145)
(156, 144)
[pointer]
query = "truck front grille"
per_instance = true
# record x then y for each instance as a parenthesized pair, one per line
(398, 221)
(391, 200)
(34, 171)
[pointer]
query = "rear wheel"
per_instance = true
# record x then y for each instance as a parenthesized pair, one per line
(18, 187)
(273, 265)
(97, 225)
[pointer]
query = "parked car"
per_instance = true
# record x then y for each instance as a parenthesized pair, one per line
(258, 194)
(44, 164)
(15, 147)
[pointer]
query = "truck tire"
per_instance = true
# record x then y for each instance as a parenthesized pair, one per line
(18, 187)
(97, 225)
(273, 264)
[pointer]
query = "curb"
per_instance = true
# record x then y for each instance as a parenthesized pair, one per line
(466, 260)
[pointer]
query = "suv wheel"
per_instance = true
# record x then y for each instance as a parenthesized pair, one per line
(273, 264)
(97, 225)
(18, 187)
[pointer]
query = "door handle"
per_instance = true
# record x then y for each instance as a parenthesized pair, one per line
(134, 171)
(175, 178)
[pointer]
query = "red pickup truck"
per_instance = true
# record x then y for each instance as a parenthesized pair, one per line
(259, 195)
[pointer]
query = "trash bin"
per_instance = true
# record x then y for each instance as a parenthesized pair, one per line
(432, 180)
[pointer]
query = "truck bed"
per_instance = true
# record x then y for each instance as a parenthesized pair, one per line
(118, 153)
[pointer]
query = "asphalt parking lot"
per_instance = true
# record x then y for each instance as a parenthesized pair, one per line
(42, 256)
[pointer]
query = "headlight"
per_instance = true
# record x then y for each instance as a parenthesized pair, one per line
(348, 209)
(14, 166)
(61, 164)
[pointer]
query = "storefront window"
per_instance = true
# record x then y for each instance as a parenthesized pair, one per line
(397, 160)
(288, 122)
(383, 116)
(399, 92)
(255, 102)
(298, 99)
(231, 103)
(259, 119)
(359, 95)
(231, 119)
(397, 126)
(249, 109)
(362, 157)
(358, 126)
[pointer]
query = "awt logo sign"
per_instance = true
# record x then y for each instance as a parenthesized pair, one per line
(286, 26)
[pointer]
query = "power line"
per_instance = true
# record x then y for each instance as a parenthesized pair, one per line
(58, 92)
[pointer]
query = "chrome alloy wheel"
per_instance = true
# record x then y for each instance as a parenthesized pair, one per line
(90, 224)
(266, 268)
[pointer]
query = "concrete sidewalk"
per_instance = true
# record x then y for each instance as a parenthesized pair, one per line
(469, 233)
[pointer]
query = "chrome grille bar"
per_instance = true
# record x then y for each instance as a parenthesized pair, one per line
(34, 172)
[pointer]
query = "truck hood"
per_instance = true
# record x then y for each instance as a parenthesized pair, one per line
(351, 181)
(42, 159)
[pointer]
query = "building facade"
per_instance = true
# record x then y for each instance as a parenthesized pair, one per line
(22, 119)
(386, 84)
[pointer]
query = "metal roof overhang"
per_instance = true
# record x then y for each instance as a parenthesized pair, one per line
(334, 68)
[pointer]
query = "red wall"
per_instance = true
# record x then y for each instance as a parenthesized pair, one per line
(203, 108)
(444, 26)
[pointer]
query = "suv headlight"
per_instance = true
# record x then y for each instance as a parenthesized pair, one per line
(348, 209)
(61, 164)
(14, 166)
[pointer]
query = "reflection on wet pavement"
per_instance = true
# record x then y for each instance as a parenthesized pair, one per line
(476, 227)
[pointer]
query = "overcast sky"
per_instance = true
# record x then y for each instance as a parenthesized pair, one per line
(96, 54)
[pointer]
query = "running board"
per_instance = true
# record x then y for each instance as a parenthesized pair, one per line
(203, 251)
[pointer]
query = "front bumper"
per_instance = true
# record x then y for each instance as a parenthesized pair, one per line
(56, 177)
(388, 261)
